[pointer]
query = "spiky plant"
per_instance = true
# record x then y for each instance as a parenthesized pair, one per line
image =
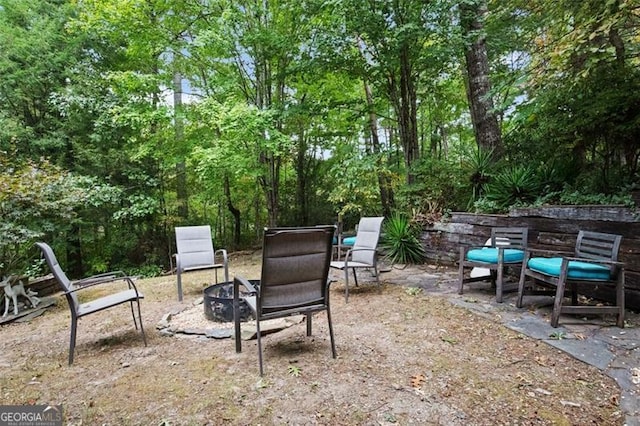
(400, 241)
(513, 186)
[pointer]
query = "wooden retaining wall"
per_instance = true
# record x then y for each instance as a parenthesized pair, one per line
(551, 228)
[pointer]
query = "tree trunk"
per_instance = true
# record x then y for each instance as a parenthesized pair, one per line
(403, 99)
(75, 267)
(302, 209)
(483, 116)
(234, 212)
(181, 172)
(384, 184)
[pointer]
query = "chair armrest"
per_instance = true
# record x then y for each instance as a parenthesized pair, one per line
(99, 278)
(350, 252)
(105, 280)
(237, 280)
(223, 253)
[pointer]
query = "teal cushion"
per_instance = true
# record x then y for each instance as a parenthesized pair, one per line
(490, 255)
(577, 270)
(349, 241)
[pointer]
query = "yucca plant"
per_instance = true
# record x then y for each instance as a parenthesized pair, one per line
(513, 186)
(400, 241)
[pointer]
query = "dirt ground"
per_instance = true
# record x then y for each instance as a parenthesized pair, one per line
(404, 357)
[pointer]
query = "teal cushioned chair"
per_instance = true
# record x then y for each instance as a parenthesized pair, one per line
(594, 263)
(504, 248)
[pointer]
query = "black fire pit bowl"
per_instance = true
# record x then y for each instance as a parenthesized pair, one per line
(218, 303)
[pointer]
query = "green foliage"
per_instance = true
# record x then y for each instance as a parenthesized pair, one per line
(294, 370)
(438, 187)
(146, 271)
(400, 241)
(37, 199)
(479, 166)
(513, 186)
(356, 183)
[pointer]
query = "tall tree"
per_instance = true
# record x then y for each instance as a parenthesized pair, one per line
(483, 113)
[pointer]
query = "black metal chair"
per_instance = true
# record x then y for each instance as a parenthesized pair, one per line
(294, 280)
(131, 295)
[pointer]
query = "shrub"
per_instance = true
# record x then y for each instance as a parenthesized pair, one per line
(400, 241)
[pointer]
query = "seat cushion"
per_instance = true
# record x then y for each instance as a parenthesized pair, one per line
(349, 241)
(490, 255)
(577, 270)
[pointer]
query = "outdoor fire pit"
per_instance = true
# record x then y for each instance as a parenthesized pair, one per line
(218, 303)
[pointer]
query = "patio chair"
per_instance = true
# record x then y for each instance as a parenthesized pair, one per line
(594, 263)
(364, 253)
(195, 252)
(131, 295)
(294, 280)
(505, 248)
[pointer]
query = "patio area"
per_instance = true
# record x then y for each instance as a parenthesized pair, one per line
(415, 352)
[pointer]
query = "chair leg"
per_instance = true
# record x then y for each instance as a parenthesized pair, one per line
(179, 286)
(309, 315)
(259, 346)
(355, 277)
(461, 271)
(236, 315)
(333, 344)
(72, 339)
(574, 293)
(144, 337)
(375, 268)
(500, 276)
(346, 285)
(523, 278)
(620, 298)
(133, 314)
(557, 303)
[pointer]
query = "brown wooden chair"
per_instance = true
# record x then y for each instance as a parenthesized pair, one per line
(505, 248)
(594, 263)
(294, 280)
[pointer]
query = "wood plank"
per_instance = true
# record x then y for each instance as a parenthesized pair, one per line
(614, 213)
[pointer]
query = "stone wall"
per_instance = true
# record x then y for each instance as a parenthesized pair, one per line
(551, 228)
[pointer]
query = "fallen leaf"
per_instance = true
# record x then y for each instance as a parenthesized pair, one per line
(418, 381)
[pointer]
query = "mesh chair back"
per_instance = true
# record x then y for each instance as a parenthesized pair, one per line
(367, 238)
(295, 267)
(59, 274)
(194, 246)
